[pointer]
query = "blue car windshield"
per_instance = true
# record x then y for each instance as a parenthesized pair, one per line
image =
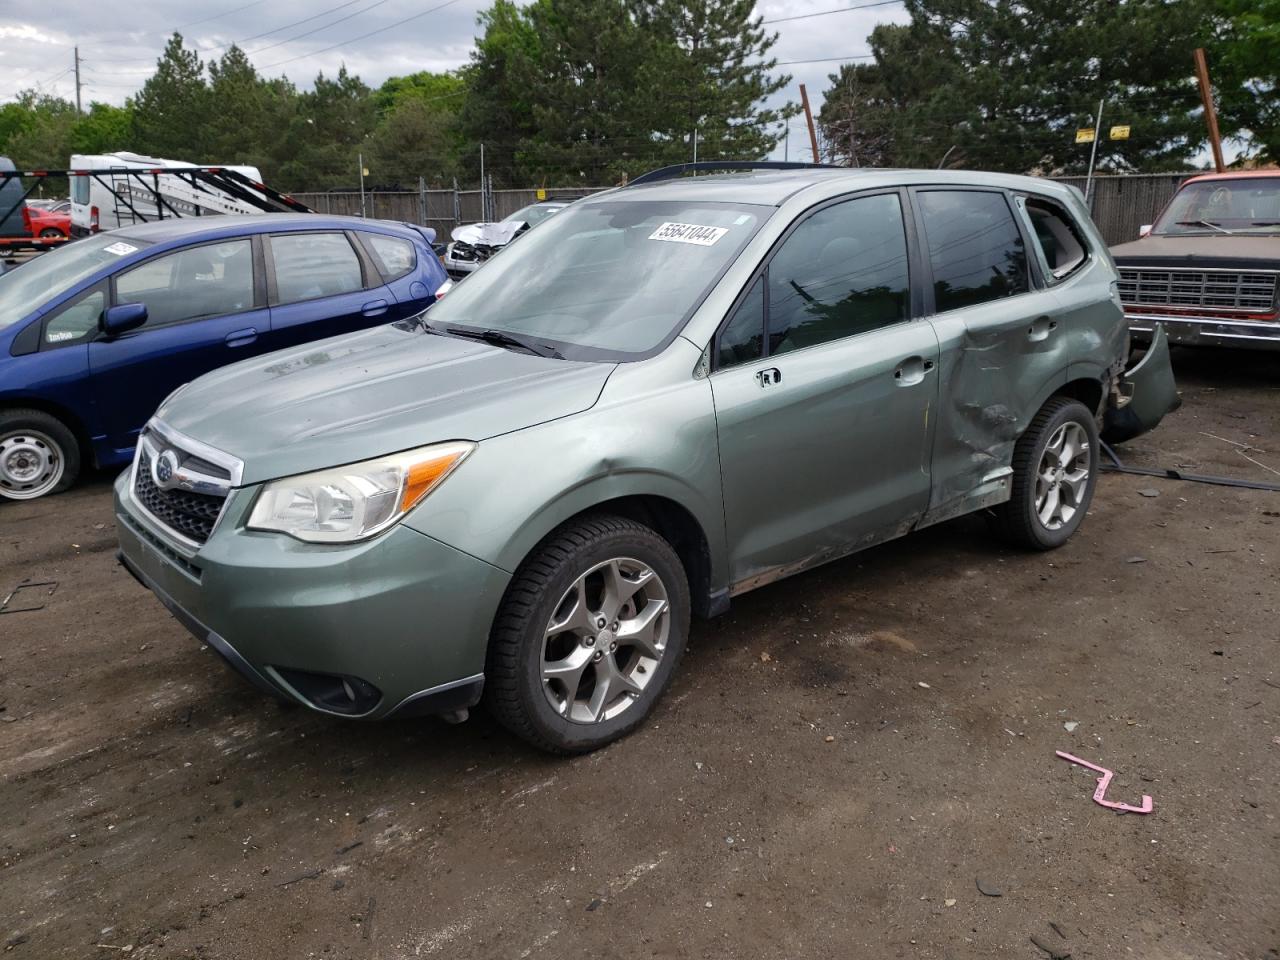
(612, 279)
(24, 289)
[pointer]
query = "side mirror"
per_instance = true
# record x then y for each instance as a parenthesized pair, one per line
(1144, 230)
(122, 318)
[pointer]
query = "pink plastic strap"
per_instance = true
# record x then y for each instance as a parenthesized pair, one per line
(1100, 794)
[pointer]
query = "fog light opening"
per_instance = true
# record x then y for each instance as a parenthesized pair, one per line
(334, 693)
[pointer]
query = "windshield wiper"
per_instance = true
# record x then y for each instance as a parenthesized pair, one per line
(500, 338)
(1205, 223)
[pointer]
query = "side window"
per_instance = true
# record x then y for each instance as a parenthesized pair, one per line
(742, 341)
(313, 265)
(1061, 243)
(395, 256)
(842, 272)
(76, 321)
(80, 189)
(205, 281)
(975, 247)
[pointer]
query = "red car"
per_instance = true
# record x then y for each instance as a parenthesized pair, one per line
(46, 224)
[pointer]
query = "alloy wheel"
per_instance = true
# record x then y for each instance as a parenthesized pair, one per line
(1062, 479)
(604, 640)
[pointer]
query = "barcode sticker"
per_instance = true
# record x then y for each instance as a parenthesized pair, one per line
(120, 248)
(688, 233)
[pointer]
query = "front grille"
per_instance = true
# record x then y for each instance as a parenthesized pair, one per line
(1235, 290)
(190, 514)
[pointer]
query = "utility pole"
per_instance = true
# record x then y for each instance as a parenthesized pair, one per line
(360, 161)
(1093, 155)
(695, 144)
(808, 116)
(1210, 112)
(484, 197)
(77, 64)
(786, 141)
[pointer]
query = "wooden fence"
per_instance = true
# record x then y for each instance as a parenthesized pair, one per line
(1120, 205)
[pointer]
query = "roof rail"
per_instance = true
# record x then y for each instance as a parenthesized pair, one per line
(675, 170)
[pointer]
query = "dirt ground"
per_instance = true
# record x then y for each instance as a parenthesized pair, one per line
(153, 804)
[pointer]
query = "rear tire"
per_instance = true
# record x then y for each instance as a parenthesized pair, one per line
(38, 455)
(588, 635)
(52, 233)
(1055, 470)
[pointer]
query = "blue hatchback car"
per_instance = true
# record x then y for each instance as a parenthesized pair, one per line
(93, 336)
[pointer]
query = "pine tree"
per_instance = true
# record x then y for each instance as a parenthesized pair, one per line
(1003, 85)
(710, 77)
(170, 113)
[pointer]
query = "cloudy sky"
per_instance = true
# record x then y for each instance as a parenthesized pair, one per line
(374, 38)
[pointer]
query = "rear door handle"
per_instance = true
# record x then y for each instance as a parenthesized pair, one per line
(242, 338)
(912, 370)
(768, 376)
(1040, 329)
(374, 308)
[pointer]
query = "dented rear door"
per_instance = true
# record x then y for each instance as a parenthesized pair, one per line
(1001, 341)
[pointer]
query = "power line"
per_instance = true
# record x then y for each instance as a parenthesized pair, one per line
(363, 36)
(326, 26)
(219, 16)
(295, 23)
(858, 56)
(824, 13)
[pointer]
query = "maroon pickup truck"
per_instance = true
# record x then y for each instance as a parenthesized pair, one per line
(1207, 269)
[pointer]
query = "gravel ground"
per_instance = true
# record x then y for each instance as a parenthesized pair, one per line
(842, 763)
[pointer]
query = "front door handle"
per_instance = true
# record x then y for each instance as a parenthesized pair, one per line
(374, 308)
(912, 370)
(241, 338)
(768, 376)
(1040, 329)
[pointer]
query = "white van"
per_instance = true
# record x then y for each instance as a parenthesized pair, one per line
(120, 193)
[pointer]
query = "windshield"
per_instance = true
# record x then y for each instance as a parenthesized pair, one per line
(533, 214)
(610, 280)
(25, 288)
(1246, 205)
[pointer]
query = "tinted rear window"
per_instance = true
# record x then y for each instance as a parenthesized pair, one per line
(975, 247)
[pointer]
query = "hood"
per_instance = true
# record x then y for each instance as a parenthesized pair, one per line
(369, 394)
(1217, 249)
(489, 234)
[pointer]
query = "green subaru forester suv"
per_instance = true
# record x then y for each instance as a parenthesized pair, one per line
(666, 395)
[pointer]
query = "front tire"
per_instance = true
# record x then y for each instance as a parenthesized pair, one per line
(1055, 470)
(38, 455)
(589, 634)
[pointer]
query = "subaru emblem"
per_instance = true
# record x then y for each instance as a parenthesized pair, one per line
(163, 470)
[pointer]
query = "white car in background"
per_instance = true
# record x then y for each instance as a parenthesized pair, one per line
(475, 243)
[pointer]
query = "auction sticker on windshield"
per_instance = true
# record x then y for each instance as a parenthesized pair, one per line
(688, 233)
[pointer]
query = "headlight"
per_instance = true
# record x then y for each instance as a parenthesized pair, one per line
(350, 503)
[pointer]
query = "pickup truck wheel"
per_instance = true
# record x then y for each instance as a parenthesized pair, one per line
(588, 635)
(1055, 469)
(38, 455)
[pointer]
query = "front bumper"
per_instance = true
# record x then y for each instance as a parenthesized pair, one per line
(402, 615)
(459, 268)
(1207, 331)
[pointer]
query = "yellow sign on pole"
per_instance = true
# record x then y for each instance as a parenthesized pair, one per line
(542, 193)
(1120, 132)
(1085, 135)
